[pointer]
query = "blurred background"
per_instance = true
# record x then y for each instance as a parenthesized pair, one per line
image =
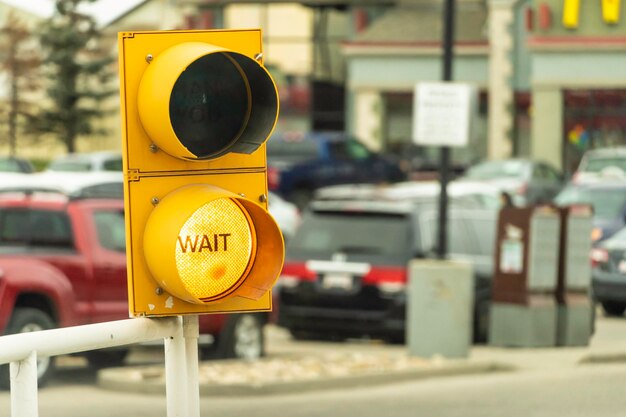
(547, 88)
(548, 126)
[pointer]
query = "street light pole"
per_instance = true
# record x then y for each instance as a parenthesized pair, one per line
(444, 171)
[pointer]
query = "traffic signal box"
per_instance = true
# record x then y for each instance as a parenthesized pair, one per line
(197, 108)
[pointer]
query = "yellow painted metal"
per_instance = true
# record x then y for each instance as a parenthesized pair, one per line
(155, 90)
(158, 173)
(138, 51)
(200, 244)
(145, 296)
(208, 102)
(611, 11)
(571, 13)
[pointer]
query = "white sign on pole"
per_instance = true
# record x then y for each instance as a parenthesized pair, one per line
(441, 114)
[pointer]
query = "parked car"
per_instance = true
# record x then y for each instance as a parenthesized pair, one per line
(608, 199)
(13, 178)
(527, 181)
(602, 163)
(468, 194)
(608, 279)
(18, 165)
(298, 164)
(421, 163)
(345, 272)
(85, 162)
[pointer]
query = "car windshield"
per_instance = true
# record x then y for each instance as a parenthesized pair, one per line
(599, 164)
(607, 202)
(372, 237)
(497, 169)
(13, 165)
(112, 164)
(70, 166)
(292, 150)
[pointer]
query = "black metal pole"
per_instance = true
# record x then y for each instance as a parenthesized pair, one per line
(444, 172)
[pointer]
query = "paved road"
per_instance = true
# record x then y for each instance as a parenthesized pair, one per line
(544, 389)
(596, 390)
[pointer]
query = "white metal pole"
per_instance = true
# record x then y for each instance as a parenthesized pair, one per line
(53, 342)
(24, 399)
(191, 333)
(176, 374)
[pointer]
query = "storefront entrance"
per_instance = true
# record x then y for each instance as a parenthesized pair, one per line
(592, 119)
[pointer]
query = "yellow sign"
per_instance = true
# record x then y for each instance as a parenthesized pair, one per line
(197, 108)
(571, 12)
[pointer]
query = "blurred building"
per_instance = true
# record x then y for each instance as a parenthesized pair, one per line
(386, 59)
(550, 79)
(578, 77)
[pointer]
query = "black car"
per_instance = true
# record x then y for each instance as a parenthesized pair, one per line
(298, 164)
(346, 269)
(608, 277)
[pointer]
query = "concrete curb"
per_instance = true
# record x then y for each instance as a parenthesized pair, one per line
(150, 380)
(600, 358)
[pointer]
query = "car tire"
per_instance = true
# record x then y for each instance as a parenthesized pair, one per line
(613, 308)
(480, 327)
(25, 320)
(99, 359)
(241, 338)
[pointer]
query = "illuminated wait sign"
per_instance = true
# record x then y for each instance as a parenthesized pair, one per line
(214, 249)
(201, 244)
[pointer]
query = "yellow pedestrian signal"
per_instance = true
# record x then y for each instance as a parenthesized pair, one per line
(197, 108)
(203, 261)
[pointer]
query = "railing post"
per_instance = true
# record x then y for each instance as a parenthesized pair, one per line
(176, 373)
(191, 333)
(182, 389)
(24, 399)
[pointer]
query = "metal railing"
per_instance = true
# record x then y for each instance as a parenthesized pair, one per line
(181, 357)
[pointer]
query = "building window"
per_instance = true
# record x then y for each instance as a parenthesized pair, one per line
(592, 119)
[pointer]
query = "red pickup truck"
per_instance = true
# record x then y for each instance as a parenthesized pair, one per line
(63, 263)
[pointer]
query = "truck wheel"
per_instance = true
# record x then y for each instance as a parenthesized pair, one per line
(481, 323)
(241, 338)
(29, 320)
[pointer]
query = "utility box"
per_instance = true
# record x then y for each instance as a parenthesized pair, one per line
(573, 295)
(524, 310)
(439, 314)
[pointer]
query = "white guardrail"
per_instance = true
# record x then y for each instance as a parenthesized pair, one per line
(181, 357)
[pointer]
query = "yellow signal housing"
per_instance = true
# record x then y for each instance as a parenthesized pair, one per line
(202, 243)
(233, 110)
(197, 108)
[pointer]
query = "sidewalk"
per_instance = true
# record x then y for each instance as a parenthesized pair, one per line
(300, 366)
